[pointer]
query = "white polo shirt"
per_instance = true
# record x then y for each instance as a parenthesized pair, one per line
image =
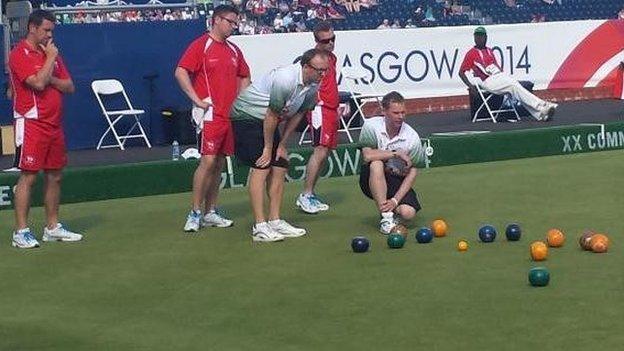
(282, 90)
(375, 136)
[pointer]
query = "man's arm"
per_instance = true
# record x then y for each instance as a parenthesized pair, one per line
(269, 125)
(41, 79)
(65, 86)
(243, 83)
(290, 127)
(407, 184)
(184, 81)
(370, 154)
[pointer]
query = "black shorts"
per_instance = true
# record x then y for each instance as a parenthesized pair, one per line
(249, 142)
(393, 183)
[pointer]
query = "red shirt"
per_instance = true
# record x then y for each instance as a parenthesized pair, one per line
(328, 89)
(477, 60)
(214, 67)
(45, 106)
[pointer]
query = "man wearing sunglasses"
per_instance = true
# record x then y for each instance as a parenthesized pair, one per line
(211, 72)
(284, 94)
(323, 122)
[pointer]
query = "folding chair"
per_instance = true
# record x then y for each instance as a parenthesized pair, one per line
(354, 77)
(492, 111)
(109, 87)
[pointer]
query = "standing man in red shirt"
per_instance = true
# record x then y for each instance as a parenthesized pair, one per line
(211, 72)
(480, 59)
(323, 122)
(38, 81)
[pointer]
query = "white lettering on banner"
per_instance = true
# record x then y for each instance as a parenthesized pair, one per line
(300, 169)
(4, 195)
(609, 141)
(567, 143)
(347, 161)
(422, 64)
(347, 165)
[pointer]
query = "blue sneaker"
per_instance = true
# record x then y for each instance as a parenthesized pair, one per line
(24, 239)
(193, 221)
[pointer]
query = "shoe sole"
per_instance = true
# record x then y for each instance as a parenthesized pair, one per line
(16, 245)
(193, 230)
(260, 240)
(293, 235)
(217, 225)
(304, 210)
(48, 239)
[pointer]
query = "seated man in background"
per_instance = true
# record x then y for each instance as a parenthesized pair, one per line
(480, 59)
(387, 141)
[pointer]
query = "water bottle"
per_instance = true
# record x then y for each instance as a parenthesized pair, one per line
(175, 150)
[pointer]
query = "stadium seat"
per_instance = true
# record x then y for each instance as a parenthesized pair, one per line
(114, 88)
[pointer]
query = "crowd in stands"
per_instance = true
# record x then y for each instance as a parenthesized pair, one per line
(125, 16)
(280, 16)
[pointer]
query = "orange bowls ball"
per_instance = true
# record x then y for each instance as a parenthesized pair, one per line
(462, 245)
(538, 251)
(599, 243)
(439, 228)
(555, 238)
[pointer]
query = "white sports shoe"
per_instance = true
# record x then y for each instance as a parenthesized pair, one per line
(386, 223)
(320, 204)
(60, 233)
(262, 232)
(286, 229)
(215, 219)
(306, 204)
(24, 239)
(192, 221)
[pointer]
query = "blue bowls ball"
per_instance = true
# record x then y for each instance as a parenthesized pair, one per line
(360, 244)
(424, 235)
(513, 232)
(487, 233)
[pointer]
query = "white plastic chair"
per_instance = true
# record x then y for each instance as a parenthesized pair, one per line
(493, 112)
(112, 87)
(362, 92)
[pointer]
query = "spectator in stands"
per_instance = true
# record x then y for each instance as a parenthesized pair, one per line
(429, 15)
(396, 24)
(368, 4)
(278, 24)
(410, 23)
(385, 24)
(419, 14)
(351, 5)
(621, 14)
(39, 80)
(482, 62)
(332, 13)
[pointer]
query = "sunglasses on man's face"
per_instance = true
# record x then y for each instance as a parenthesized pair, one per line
(327, 41)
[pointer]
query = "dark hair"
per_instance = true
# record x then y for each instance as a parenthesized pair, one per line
(323, 26)
(392, 97)
(38, 16)
(223, 10)
(310, 54)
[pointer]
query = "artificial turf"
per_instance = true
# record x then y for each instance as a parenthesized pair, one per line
(138, 282)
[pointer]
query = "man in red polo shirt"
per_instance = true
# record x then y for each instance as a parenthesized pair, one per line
(480, 59)
(323, 122)
(38, 81)
(211, 72)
